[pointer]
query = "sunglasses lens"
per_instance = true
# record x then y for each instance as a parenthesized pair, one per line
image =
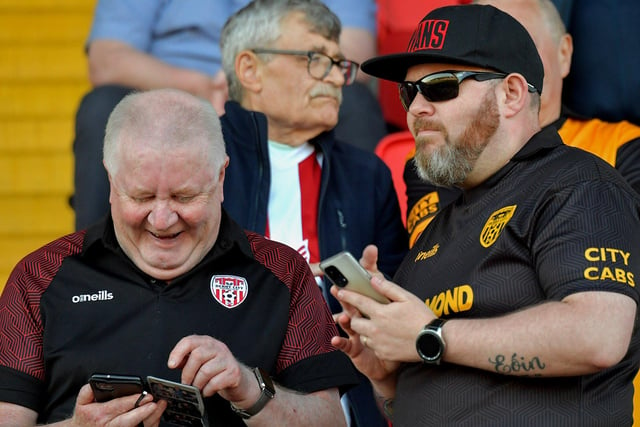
(439, 87)
(408, 92)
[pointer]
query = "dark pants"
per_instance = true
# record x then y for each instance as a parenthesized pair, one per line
(91, 198)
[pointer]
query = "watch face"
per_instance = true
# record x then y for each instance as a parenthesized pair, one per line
(429, 345)
(265, 381)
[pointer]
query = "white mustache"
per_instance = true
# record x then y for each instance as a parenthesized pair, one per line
(327, 90)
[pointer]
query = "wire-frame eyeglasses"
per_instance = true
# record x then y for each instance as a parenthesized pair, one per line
(319, 64)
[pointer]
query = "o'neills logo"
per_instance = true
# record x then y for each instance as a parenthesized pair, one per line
(495, 224)
(100, 296)
(230, 291)
(430, 34)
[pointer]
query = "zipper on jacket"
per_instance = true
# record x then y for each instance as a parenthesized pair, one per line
(343, 229)
(256, 201)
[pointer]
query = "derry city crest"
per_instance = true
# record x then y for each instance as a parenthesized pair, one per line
(230, 291)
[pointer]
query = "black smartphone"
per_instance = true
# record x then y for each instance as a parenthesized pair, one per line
(109, 386)
(344, 271)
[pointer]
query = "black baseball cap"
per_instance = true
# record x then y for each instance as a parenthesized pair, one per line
(479, 35)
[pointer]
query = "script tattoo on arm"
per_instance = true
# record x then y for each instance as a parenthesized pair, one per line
(518, 365)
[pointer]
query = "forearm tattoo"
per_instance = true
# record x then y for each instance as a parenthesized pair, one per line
(517, 365)
(386, 404)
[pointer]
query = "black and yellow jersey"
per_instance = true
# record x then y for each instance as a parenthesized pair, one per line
(616, 143)
(553, 222)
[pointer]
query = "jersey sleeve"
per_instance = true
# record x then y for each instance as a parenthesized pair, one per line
(307, 361)
(578, 248)
(22, 366)
(21, 354)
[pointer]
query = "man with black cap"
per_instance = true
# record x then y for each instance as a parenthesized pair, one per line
(517, 304)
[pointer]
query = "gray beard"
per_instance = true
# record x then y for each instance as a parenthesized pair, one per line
(451, 164)
(447, 166)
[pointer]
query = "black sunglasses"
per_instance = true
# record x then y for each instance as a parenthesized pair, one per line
(442, 86)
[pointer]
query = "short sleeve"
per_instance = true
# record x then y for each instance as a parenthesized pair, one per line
(130, 22)
(578, 248)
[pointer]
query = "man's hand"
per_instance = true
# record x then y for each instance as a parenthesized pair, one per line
(120, 412)
(218, 92)
(362, 356)
(390, 330)
(112, 62)
(369, 261)
(209, 365)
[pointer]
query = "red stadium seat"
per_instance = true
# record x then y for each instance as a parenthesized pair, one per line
(394, 149)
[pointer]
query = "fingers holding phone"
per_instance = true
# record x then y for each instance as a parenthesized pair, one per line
(120, 410)
(369, 260)
(177, 403)
(108, 386)
(345, 272)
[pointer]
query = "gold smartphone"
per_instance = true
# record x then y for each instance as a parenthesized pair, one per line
(344, 271)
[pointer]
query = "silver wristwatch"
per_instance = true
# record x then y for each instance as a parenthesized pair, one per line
(267, 392)
(429, 343)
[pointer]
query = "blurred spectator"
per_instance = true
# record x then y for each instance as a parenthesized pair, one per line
(604, 80)
(147, 44)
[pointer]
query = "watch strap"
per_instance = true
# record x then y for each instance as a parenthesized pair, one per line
(435, 324)
(267, 392)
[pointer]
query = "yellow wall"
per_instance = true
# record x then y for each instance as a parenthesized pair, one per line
(43, 74)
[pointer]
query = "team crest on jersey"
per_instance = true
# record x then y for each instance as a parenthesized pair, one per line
(230, 291)
(495, 224)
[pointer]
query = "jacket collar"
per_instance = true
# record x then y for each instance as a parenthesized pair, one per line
(238, 122)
